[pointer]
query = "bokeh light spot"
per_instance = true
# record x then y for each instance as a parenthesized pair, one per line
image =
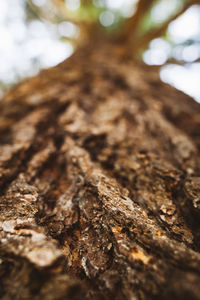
(68, 29)
(106, 18)
(72, 4)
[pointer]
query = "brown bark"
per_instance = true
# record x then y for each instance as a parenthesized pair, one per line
(100, 193)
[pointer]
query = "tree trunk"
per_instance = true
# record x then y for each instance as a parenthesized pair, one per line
(100, 186)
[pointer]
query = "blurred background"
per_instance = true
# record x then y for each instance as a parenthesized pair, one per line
(38, 34)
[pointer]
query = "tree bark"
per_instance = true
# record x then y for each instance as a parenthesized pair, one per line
(100, 186)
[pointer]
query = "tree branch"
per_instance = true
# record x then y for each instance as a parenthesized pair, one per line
(132, 24)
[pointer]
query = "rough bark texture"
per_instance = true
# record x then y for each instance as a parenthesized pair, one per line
(100, 186)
